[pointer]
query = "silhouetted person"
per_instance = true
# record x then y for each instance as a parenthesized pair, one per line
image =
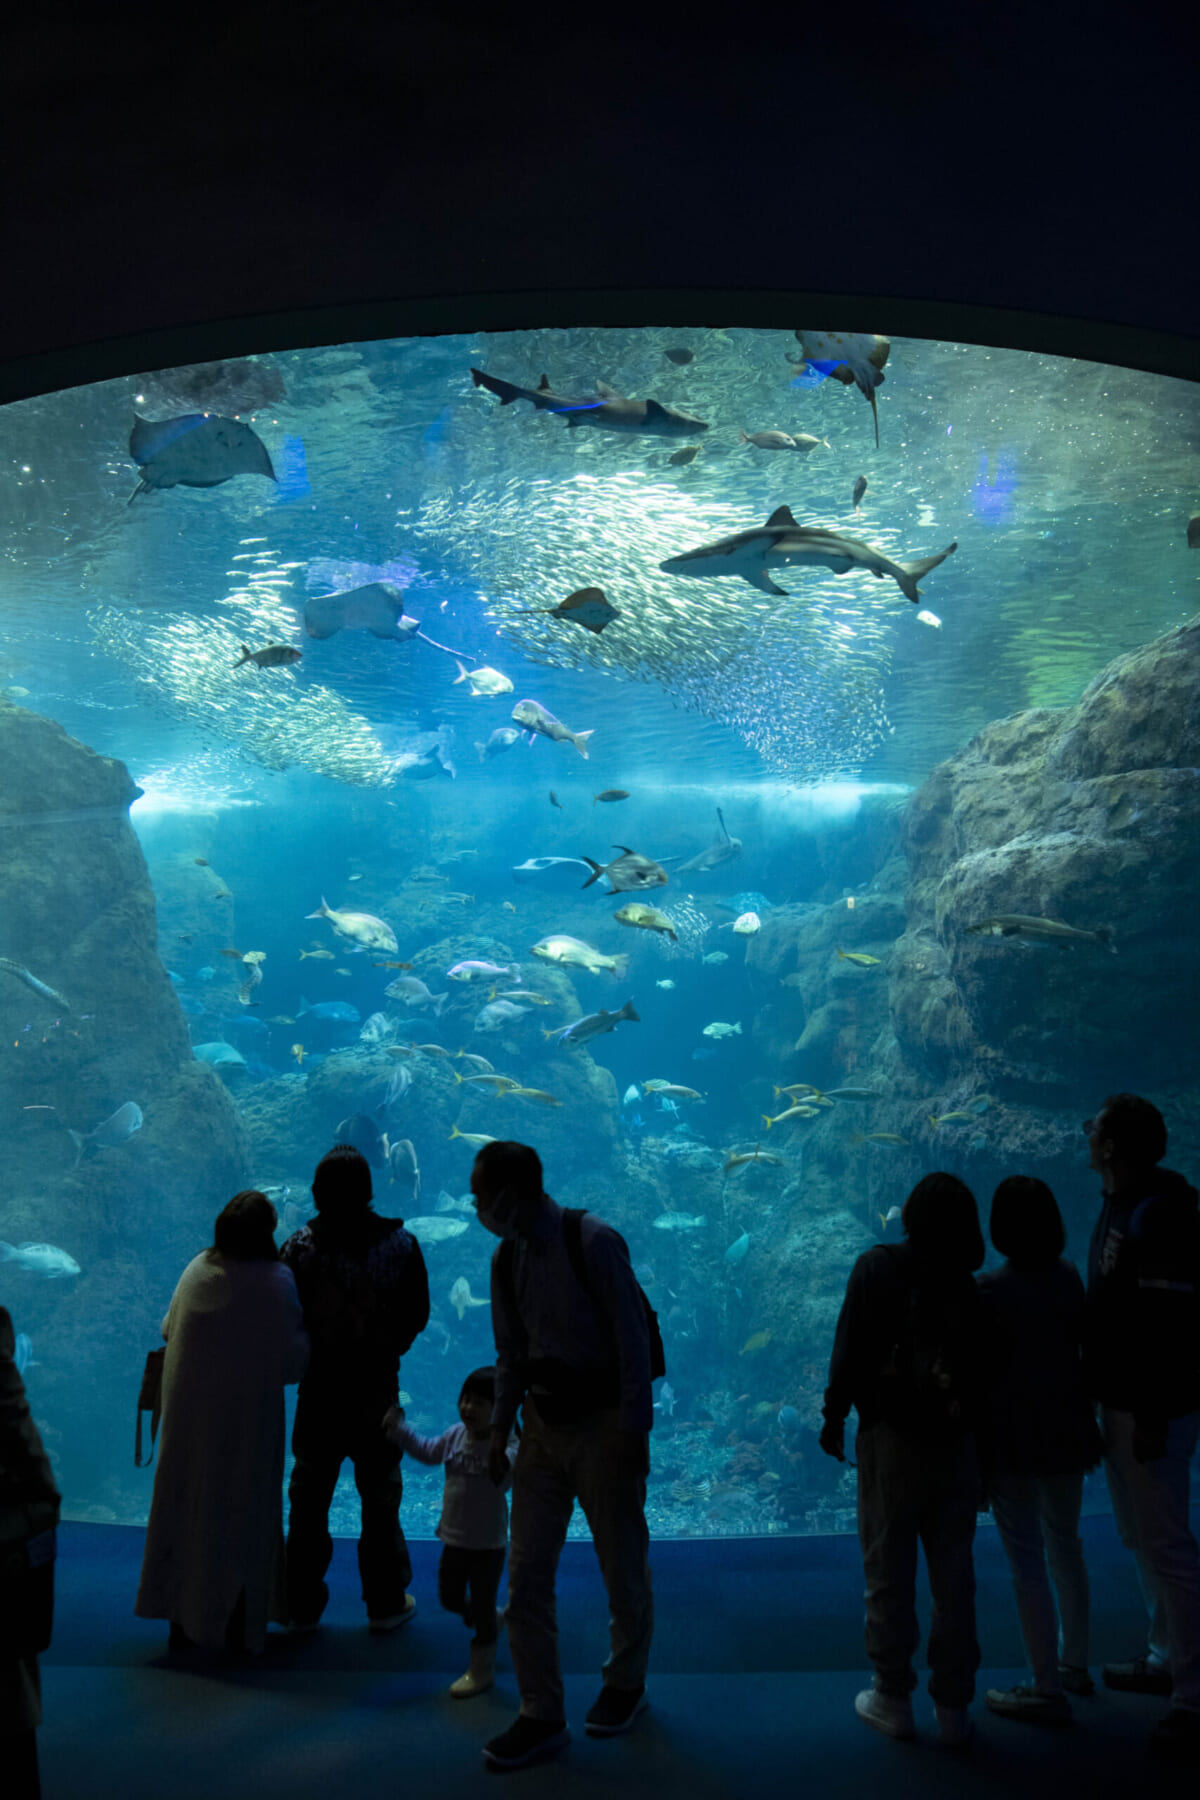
(213, 1558)
(29, 1505)
(1143, 1342)
(365, 1294)
(906, 1357)
(578, 1353)
(1037, 1438)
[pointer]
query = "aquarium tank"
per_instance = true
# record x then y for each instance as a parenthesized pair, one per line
(755, 767)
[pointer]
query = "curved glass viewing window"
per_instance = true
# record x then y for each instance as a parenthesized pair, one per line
(367, 630)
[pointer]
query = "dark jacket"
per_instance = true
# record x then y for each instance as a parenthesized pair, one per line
(1142, 1339)
(1036, 1417)
(890, 1288)
(365, 1295)
(28, 1506)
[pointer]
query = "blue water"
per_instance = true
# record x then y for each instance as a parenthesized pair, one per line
(810, 720)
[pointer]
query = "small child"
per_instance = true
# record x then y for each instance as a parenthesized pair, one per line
(474, 1522)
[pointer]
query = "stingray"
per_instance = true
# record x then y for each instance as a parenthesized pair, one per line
(198, 450)
(588, 607)
(377, 608)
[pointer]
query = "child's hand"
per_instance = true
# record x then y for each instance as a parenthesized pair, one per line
(392, 1417)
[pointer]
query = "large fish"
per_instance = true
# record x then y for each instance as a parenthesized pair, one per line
(412, 990)
(571, 952)
(723, 849)
(360, 927)
(115, 1130)
(436, 1228)
(219, 1055)
(377, 608)
(588, 607)
(851, 356)
(592, 1025)
(605, 409)
(40, 1259)
(781, 543)
(534, 718)
(198, 450)
(31, 981)
(1048, 930)
(502, 739)
(629, 873)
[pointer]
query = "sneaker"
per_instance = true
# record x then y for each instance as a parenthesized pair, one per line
(525, 1741)
(1027, 1703)
(1176, 1739)
(390, 1621)
(954, 1723)
(1140, 1676)
(890, 1713)
(1076, 1680)
(614, 1711)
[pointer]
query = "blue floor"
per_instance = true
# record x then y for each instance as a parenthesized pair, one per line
(757, 1658)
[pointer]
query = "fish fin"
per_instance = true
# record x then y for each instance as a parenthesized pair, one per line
(544, 385)
(672, 937)
(781, 516)
(455, 1073)
(550, 1034)
(455, 1132)
(482, 749)
(440, 1001)
(610, 393)
(597, 871)
(738, 1027)
(620, 967)
(763, 581)
(933, 1122)
(243, 658)
(915, 571)
(504, 391)
(628, 1012)
(463, 674)
(767, 1121)
(745, 439)
(580, 741)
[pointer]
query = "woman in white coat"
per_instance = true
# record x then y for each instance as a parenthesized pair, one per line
(213, 1560)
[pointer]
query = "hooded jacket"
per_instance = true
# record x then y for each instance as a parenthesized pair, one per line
(1142, 1336)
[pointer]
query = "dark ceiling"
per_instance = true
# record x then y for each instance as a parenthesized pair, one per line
(209, 175)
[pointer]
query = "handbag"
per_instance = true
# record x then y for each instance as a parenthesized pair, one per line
(149, 1401)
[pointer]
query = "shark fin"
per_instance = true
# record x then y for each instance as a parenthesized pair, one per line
(544, 385)
(781, 516)
(763, 580)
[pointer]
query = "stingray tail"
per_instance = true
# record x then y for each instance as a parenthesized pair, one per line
(143, 487)
(446, 648)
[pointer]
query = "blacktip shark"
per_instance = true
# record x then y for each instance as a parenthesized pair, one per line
(606, 408)
(377, 608)
(197, 450)
(781, 542)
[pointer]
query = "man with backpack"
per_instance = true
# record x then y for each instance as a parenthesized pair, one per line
(577, 1342)
(907, 1357)
(1142, 1348)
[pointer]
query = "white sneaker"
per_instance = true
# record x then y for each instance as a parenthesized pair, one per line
(390, 1622)
(954, 1723)
(886, 1712)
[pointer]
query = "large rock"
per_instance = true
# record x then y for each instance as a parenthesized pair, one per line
(1087, 815)
(78, 913)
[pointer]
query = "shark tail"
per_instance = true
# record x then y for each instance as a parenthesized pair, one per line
(580, 741)
(504, 391)
(916, 571)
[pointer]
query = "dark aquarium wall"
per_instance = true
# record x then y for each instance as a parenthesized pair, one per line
(594, 738)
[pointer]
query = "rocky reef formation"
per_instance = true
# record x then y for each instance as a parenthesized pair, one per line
(77, 913)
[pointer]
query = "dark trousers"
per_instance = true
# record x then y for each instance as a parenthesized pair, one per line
(909, 1493)
(468, 1582)
(332, 1424)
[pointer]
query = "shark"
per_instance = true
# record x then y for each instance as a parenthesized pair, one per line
(606, 408)
(781, 542)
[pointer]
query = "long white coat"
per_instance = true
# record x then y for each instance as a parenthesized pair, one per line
(235, 1337)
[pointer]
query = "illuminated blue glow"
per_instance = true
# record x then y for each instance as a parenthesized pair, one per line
(813, 374)
(993, 492)
(291, 471)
